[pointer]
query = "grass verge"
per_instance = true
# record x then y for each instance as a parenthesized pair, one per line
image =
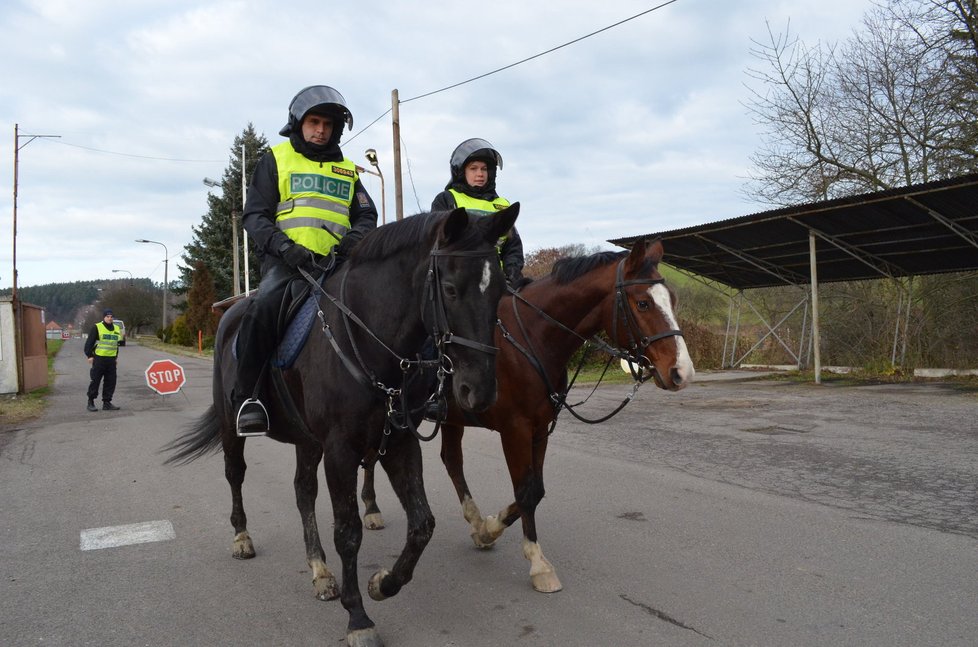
(16, 409)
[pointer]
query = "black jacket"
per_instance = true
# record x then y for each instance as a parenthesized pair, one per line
(263, 199)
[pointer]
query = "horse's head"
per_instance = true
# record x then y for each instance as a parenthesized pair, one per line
(644, 319)
(468, 284)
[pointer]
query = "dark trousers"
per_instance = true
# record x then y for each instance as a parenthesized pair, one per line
(258, 333)
(103, 370)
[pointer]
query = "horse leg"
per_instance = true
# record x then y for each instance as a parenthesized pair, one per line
(234, 472)
(372, 519)
(525, 462)
(307, 459)
(452, 459)
(403, 466)
(340, 466)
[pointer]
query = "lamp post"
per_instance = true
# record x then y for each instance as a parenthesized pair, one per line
(127, 272)
(371, 155)
(235, 288)
(166, 255)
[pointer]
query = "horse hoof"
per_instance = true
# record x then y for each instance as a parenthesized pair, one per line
(481, 541)
(364, 638)
(242, 548)
(326, 588)
(373, 587)
(546, 582)
(373, 521)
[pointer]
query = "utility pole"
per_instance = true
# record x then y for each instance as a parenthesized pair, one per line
(396, 127)
(17, 311)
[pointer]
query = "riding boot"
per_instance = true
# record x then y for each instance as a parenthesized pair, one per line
(434, 409)
(253, 350)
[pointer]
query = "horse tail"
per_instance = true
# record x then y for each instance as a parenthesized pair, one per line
(201, 438)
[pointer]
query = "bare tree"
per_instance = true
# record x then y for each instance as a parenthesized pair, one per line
(883, 110)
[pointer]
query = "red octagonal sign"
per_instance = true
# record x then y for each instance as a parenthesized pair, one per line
(165, 376)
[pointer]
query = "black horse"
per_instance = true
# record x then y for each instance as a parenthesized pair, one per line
(429, 275)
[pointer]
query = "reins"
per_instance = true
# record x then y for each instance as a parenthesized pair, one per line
(633, 355)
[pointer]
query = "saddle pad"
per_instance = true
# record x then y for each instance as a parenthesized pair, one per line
(296, 334)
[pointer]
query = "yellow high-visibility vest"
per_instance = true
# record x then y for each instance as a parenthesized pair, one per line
(315, 198)
(482, 208)
(108, 340)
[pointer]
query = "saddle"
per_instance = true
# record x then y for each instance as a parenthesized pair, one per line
(296, 315)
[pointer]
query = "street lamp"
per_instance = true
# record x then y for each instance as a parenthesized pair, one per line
(371, 155)
(166, 254)
(234, 239)
(127, 272)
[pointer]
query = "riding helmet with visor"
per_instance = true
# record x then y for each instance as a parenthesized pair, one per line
(321, 99)
(472, 149)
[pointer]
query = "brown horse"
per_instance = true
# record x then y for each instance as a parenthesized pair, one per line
(622, 294)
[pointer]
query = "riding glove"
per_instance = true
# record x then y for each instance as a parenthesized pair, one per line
(296, 256)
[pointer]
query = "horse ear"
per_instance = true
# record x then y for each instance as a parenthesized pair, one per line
(502, 221)
(643, 251)
(453, 226)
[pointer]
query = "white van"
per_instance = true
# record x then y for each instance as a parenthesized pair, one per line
(122, 330)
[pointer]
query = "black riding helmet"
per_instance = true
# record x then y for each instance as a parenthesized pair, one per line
(320, 99)
(475, 149)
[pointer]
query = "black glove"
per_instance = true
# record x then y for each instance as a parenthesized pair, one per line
(517, 281)
(346, 245)
(296, 256)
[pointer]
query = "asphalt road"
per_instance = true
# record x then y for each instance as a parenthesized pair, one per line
(731, 513)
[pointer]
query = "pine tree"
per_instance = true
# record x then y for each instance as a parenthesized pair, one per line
(212, 241)
(200, 297)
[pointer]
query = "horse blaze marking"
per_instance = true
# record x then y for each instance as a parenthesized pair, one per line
(165, 376)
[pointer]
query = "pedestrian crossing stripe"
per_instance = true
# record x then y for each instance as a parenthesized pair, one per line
(133, 533)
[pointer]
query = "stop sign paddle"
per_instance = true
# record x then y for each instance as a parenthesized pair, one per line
(165, 376)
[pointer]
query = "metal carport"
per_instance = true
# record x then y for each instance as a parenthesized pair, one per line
(929, 228)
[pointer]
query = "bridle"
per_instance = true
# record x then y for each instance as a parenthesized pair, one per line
(637, 342)
(399, 418)
(634, 356)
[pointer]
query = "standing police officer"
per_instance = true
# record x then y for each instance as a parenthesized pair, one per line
(304, 200)
(473, 187)
(102, 350)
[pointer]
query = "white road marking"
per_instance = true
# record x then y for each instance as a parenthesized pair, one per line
(133, 533)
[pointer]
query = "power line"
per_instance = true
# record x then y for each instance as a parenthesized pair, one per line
(145, 157)
(530, 58)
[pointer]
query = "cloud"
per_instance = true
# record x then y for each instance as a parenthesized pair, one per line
(637, 129)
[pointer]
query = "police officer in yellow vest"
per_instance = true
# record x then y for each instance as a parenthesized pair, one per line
(102, 349)
(305, 201)
(473, 187)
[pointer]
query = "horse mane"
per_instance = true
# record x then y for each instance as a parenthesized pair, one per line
(393, 237)
(567, 269)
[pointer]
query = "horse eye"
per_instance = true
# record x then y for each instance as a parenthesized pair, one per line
(643, 306)
(449, 290)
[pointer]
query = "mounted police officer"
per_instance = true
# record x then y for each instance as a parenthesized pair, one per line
(473, 187)
(305, 201)
(102, 351)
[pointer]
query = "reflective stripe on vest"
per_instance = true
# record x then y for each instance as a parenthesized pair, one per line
(477, 206)
(483, 208)
(108, 341)
(315, 198)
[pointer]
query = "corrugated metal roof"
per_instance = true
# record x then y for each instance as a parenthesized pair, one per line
(927, 228)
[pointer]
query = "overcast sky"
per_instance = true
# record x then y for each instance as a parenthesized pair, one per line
(638, 129)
